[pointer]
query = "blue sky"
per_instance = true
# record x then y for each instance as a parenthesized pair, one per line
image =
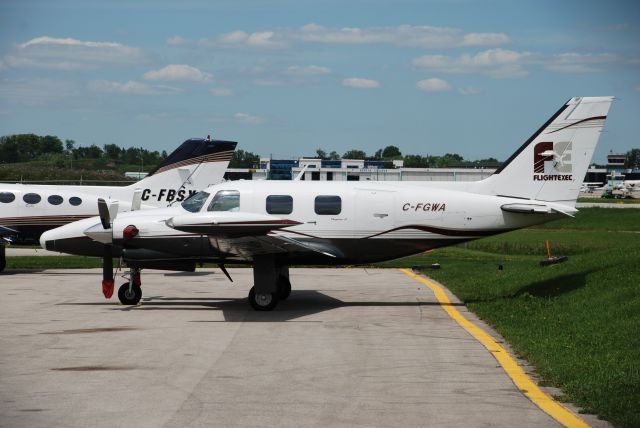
(284, 78)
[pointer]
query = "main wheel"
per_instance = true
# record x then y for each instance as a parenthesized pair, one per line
(3, 263)
(262, 301)
(284, 288)
(129, 296)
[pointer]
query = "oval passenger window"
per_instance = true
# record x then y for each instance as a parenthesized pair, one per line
(7, 197)
(55, 199)
(31, 198)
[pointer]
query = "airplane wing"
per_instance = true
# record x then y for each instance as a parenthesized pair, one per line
(247, 234)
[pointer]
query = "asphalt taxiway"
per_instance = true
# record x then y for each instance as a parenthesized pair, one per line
(350, 347)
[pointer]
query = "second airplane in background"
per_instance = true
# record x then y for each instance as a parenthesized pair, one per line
(27, 210)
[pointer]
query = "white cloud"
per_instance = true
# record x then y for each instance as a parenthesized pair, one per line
(248, 119)
(434, 85)
(501, 63)
(422, 36)
(130, 87)
(309, 70)
(469, 90)
(178, 72)
(485, 39)
(238, 39)
(576, 63)
(71, 54)
(358, 82)
(497, 63)
(221, 92)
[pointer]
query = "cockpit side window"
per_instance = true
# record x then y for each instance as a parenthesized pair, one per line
(225, 200)
(195, 202)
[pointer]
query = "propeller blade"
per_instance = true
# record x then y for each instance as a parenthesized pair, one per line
(137, 199)
(103, 210)
(107, 272)
(113, 210)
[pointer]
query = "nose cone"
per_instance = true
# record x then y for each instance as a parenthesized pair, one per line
(70, 239)
(47, 240)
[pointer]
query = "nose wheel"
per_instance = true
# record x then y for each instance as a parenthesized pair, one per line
(129, 294)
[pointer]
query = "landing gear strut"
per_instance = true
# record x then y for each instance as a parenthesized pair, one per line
(130, 292)
(3, 258)
(271, 281)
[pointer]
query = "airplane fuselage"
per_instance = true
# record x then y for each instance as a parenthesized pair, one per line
(333, 223)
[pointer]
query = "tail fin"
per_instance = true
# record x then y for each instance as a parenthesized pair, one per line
(551, 165)
(195, 165)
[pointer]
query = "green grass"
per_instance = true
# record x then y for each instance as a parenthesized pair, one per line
(52, 262)
(609, 201)
(577, 322)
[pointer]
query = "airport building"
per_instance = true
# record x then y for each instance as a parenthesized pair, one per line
(382, 170)
(353, 170)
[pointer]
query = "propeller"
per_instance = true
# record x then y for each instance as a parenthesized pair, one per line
(106, 215)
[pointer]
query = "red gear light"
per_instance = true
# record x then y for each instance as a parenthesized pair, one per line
(129, 233)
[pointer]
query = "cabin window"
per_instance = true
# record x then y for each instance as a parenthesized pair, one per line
(55, 199)
(328, 205)
(75, 201)
(7, 197)
(31, 198)
(225, 200)
(194, 202)
(279, 204)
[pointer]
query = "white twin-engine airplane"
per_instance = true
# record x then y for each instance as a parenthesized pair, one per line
(27, 210)
(275, 224)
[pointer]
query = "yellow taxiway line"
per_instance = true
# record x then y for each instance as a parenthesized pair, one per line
(517, 374)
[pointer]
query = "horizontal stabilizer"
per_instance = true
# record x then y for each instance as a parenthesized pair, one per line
(229, 224)
(539, 209)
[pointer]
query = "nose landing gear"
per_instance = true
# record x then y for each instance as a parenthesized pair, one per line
(130, 292)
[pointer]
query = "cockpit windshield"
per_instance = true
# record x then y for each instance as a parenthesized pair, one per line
(195, 202)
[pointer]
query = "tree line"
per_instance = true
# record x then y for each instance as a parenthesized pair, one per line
(391, 153)
(29, 147)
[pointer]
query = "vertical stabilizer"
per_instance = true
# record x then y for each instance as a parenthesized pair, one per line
(195, 165)
(551, 165)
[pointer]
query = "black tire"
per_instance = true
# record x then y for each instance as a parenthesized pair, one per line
(262, 302)
(284, 288)
(3, 263)
(129, 297)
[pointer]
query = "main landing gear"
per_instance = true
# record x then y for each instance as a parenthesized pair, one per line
(271, 284)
